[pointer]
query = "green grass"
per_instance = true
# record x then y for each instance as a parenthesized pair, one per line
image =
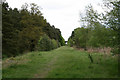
(0, 69)
(64, 62)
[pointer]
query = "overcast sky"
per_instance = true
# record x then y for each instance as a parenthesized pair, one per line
(64, 14)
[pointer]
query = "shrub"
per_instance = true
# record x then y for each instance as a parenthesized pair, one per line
(55, 44)
(115, 50)
(46, 44)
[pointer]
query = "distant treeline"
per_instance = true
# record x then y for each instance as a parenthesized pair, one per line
(26, 30)
(99, 30)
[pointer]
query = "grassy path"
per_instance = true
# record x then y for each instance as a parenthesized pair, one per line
(46, 69)
(64, 62)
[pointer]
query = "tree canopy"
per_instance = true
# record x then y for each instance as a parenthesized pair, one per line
(98, 29)
(23, 28)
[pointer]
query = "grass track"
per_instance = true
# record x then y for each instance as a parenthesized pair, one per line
(64, 62)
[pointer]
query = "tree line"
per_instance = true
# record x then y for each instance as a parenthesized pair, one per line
(27, 30)
(98, 29)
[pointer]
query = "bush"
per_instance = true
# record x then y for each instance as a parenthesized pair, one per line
(115, 50)
(70, 42)
(55, 44)
(46, 44)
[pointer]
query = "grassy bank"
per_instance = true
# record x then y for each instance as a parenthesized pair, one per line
(64, 62)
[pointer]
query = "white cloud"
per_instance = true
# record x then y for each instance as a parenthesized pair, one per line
(64, 14)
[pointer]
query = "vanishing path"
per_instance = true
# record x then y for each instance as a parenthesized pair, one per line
(64, 62)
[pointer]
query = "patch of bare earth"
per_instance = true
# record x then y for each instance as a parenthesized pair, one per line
(105, 50)
(10, 61)
(48, 68)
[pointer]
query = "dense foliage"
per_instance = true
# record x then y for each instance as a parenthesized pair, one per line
(46, 44)
(23, 28)
(99, 30)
